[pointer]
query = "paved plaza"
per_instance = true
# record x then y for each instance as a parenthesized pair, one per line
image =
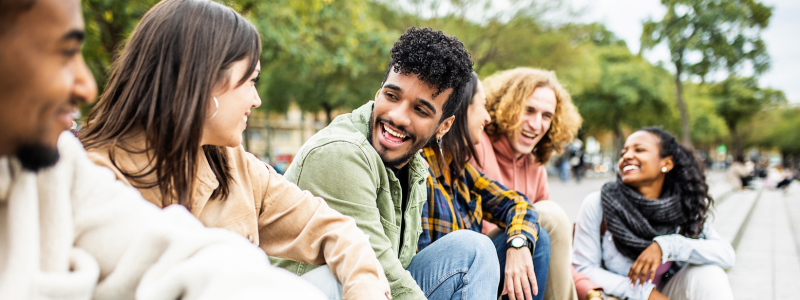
(762, 224)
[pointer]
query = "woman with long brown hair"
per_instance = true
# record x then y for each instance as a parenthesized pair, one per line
(170, 123)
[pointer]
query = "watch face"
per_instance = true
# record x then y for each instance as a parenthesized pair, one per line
(518, 242)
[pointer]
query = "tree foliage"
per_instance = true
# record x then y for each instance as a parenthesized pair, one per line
(628, 93)
(737, 100)
(722, 33)
(329, 55)
(321, 54)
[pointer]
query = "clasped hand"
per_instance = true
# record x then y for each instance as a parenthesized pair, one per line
(644, 268)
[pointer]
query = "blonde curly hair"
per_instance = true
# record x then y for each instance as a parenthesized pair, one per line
(506, 92)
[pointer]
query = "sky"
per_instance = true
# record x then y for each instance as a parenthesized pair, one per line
(782, 36)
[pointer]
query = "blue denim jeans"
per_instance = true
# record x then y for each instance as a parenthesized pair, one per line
(323, 279)
(461, 265)
(541, 260)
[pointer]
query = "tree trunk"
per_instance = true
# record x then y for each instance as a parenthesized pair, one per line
(618, 144)
(328, 113)
(736, 141)
(687, 137)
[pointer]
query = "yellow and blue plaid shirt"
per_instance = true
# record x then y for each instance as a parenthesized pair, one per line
(478, 197)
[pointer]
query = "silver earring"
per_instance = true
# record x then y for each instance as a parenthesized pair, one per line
(439, 142)
(663, 169)
(216, 102)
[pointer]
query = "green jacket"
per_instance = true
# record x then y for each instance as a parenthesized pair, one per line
(339, 165)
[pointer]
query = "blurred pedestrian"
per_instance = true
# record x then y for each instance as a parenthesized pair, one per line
(646, 235)
(578, 160)
(737, 174)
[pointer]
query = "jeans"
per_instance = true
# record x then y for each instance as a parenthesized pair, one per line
(541, 261)
(323, 279)
(460, 265)
(698, 282)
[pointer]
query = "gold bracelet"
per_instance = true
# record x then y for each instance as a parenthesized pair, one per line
(594, 293)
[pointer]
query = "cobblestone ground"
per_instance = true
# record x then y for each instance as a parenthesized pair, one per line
(763, 225)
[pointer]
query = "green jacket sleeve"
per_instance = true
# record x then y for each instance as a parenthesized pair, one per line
(342, 174)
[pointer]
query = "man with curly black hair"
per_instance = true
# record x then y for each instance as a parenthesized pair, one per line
(366, 165)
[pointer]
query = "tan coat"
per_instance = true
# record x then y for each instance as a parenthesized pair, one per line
(272, 213)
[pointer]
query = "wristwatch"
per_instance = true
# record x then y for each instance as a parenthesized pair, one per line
(519, 242)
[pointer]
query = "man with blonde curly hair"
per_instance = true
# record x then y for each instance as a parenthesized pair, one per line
(532, 116)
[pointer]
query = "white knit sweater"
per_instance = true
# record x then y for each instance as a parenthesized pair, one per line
(73, 232)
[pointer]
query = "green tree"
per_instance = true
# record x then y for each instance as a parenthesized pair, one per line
(108, 25)
(629, 94)
(708, 128)
(723, 33)
(321, 54)
(737, 100)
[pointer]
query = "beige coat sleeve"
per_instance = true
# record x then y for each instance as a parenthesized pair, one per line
(293, 224)
(150, 253)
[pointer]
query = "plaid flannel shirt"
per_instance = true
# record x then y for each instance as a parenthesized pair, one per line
(478, 198)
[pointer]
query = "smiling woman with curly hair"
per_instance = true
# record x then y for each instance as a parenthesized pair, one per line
(532, 116)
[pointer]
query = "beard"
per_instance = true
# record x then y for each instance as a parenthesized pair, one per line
(396, 163)
(36, 156)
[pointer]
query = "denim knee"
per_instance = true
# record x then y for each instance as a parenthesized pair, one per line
(478, 247)
(468, 239)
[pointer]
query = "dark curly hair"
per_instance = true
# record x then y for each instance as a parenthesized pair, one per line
(688, 179)
(439, 60)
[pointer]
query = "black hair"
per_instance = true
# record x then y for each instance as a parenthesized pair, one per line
(10, 10)
(688, 179)
(457, 142)
(439, 60)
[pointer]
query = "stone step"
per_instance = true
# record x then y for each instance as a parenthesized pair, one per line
(731, 210)
(768, 255)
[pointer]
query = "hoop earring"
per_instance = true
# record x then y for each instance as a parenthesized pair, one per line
(216, 102)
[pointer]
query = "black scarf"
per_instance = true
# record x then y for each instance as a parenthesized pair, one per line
(634, 220)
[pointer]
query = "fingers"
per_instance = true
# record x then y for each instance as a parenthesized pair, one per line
(532, 280)
(518, 291)
(526, 287)
(633, 274)
(653, 268)
(509, 288)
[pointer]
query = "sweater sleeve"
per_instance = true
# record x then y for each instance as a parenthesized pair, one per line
(711, 249)
(500, 205)
(152, 253)
(296, 225)
(583, 284)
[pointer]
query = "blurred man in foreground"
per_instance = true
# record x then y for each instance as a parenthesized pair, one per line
(68, 229)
